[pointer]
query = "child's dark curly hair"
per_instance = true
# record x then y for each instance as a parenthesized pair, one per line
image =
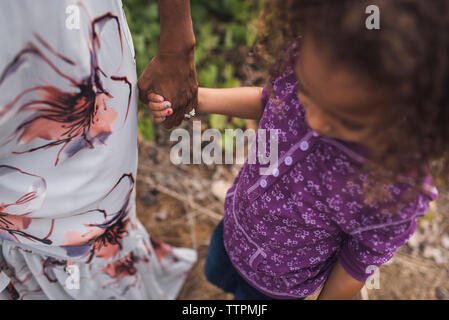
(408, 55)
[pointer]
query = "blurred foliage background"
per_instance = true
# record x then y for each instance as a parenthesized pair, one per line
(225, 32)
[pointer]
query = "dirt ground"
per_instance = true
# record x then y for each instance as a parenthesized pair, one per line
(181, 205)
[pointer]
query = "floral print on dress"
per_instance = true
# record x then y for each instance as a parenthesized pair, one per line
(68, 160)
(69, 120)
(17, 205)
(103, 240)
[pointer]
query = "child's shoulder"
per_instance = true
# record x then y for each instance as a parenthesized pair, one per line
(284, 83)
(280, 88)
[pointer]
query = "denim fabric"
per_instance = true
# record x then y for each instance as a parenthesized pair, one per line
(220, 271)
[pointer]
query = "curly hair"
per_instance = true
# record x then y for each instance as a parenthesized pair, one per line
(409, 55)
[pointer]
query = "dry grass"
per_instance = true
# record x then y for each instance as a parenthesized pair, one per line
(177, 206)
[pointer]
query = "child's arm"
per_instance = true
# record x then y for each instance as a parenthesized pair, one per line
(244, 102)
(340, 285)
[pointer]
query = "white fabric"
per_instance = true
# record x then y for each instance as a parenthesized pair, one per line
(68, 158)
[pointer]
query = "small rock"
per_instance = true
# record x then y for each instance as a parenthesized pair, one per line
(435, 254)
(441, 293)
(219, 189)
(200, 195)
(149, 198)
(161, 215)
(445, 241)
(414, 241)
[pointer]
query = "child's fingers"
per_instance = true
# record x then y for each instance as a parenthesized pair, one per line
(162, 114)
(160, 109)
(155, 97)
(158, 120)
(159, 106)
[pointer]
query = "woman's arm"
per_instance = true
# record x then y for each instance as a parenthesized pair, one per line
(176, 28)
(244, 102)
(172, 72)
(340, 285)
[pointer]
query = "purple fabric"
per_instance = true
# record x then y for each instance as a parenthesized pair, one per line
(285, 231)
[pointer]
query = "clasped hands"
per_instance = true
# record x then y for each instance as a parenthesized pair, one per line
(169, 87)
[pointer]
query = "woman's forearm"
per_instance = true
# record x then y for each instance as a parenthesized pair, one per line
(176, 27)
(244, 102)
(340, 285)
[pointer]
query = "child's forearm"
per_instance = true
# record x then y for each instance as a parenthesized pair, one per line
(340, 285)
(244, 102)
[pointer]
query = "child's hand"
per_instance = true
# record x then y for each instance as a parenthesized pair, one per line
(160, 109)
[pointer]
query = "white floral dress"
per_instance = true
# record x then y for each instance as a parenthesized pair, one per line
(68, 159)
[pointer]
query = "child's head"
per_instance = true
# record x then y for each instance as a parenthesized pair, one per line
(387, 89)
(338, 102)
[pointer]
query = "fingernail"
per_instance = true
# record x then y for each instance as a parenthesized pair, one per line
(163, 118)
(169, 112)
(167, 105)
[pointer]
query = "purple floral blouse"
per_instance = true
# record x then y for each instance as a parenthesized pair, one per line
(285, 231)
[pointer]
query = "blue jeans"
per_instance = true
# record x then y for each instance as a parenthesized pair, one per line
(220, 271)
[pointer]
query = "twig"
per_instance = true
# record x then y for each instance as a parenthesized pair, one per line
(412, 261)
(184, 199)
(191, 221)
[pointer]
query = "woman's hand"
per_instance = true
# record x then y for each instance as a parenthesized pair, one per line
(172, 73)
(160, 109)
(174, 77)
